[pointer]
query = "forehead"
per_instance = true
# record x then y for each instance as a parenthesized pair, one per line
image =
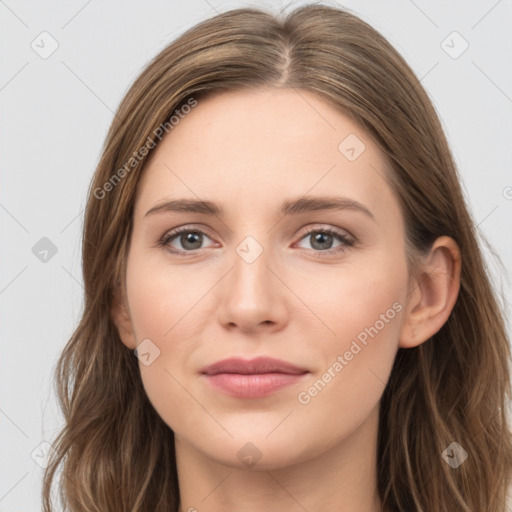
(251, 146)
(242, 123)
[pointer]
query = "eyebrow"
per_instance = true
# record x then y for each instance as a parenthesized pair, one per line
(288, 207)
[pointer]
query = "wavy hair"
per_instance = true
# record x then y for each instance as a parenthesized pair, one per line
(114, 452)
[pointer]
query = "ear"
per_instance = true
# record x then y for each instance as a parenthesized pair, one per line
(433, 293)
(121, 317)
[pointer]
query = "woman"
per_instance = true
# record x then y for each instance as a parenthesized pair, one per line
(330, 340)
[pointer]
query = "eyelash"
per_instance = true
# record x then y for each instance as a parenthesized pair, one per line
(347, 241)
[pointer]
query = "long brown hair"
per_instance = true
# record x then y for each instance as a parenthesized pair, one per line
(115, 453)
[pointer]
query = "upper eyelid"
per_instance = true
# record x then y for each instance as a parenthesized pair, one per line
(187, 227)
(198, 227)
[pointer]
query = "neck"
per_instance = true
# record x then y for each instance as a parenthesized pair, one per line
(342, 478)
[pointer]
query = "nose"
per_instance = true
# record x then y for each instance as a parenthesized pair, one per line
(252, 296)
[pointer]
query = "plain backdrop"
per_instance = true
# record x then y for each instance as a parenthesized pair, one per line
(55, 112)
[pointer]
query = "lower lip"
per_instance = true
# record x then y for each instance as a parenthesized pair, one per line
(252, 386)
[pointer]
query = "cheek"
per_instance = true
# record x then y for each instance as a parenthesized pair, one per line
(165, 308)
(370, 310)
(360, 301)
(363, 308)
(160, 295)
(358, 360)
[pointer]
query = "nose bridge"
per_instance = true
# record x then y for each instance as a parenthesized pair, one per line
(250, 250)
(251, 294)
(250, 265)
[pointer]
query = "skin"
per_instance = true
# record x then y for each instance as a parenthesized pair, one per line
(248, 151)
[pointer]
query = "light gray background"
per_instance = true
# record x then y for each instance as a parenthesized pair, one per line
(55, 114)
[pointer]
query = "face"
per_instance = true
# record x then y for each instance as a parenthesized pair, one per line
(320, 286)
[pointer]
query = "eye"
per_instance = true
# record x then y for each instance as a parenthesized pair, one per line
(322, 239)
(190, 239)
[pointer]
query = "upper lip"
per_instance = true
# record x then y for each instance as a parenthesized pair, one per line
(258, 365)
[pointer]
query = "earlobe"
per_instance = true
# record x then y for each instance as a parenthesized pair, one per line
(121, 318)
(434, 293)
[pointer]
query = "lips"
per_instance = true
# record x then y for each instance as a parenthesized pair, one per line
(255, 378)
(260, 365)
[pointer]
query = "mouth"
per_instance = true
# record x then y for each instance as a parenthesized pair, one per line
(253, 378)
